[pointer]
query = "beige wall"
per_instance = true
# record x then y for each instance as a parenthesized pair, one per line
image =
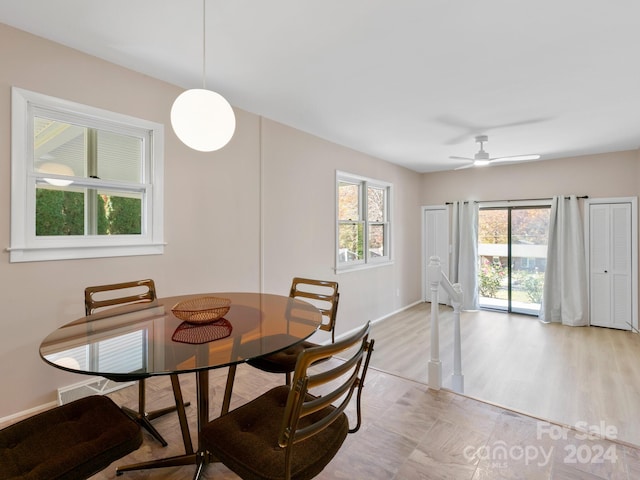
(226, 227)
(299, 178)
(212, 216)
(598, 176)
(606, 175)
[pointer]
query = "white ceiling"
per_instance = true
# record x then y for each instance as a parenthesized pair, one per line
(408, 81)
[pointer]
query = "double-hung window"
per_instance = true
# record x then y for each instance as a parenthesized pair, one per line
(85, 182)
(363, 221)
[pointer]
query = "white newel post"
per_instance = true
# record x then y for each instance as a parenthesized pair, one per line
(457, 378)
(435, 366)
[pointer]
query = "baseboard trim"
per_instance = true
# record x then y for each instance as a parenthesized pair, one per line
(15, 417)
(379, 319)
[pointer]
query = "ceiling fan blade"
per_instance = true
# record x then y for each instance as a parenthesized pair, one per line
(459, 139)
(469, 129)
(515, 158)
(464, 166)
(462, 158)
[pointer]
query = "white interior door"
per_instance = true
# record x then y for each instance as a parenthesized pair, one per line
(610, 265)
(436, 243)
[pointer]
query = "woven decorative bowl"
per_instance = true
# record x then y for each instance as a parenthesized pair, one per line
(201, 309)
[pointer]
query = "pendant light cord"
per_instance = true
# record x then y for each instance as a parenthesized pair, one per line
(204, 45)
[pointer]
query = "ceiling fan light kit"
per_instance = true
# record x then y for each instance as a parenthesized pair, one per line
(483, 159)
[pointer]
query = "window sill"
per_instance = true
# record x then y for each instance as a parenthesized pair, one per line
(365, 266)
(29, 254)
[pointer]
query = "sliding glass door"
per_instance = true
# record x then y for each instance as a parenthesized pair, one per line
(512, 251)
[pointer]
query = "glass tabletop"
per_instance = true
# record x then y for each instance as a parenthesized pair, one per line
(147, 339)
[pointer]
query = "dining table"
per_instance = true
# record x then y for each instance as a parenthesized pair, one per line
(150, 339)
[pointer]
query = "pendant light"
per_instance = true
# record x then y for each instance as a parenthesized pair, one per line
(203, 119)
(56, 169)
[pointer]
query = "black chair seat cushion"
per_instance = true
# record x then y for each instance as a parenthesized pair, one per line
(72, 441)
(246, 440)
(283, 361)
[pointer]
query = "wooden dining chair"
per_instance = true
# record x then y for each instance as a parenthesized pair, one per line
(138, 291)
(324, 296)
(293, 431)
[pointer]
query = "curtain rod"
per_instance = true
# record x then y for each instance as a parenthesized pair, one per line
(515, 200)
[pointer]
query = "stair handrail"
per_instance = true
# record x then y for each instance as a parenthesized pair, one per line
(437, 278)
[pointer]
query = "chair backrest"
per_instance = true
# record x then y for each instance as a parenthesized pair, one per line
(319, 397)
(130, 292)
(323, 295)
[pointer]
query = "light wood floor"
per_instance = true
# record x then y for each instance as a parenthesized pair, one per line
(413, 433)
(558, 373)
(409, 433)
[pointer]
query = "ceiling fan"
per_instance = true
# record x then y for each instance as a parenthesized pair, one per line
(482, 158)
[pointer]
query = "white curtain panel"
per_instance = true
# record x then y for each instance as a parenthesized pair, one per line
(565, 279)
(464, 255)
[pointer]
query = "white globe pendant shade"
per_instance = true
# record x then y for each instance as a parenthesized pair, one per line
(57, 169)
(203, 119)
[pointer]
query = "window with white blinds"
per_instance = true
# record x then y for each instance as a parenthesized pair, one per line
(85, 182)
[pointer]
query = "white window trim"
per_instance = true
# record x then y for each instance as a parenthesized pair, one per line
(25, 247)
(368, 262)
